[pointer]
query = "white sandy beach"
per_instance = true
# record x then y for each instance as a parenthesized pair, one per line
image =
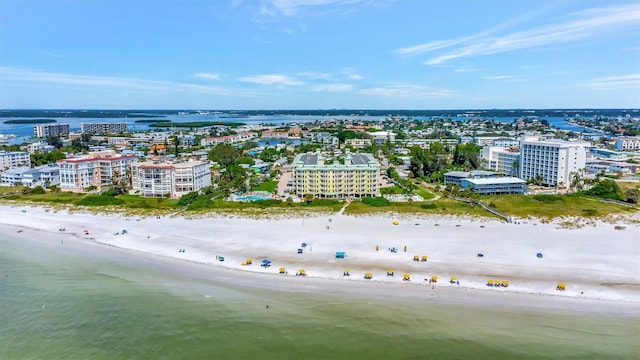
(599, 264)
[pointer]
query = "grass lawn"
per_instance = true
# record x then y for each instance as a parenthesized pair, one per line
(269, 186)
(552, 206)
(442, 206)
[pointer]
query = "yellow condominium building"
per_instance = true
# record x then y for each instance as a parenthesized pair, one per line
(356, 175)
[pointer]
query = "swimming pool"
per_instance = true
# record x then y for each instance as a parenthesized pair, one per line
(251, 197)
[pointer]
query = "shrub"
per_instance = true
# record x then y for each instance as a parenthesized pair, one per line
(547, 198)
(606, 189)
(589, 212)
(99, 200)
(428, 206)
(376, 201)
(38, 190)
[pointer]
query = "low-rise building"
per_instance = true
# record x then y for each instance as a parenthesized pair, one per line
(10, 159)
(628, 143)
(495, 186)
(456, 177)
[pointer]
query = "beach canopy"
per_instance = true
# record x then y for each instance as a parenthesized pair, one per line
(340, 254)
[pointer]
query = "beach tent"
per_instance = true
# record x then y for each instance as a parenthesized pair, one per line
(281, 270)
(301, 272)
(346, 272)
(434, 279)
(300, 251)
(340, 254)
(390, 272)
(266, 263)
(453, 280)
(220, 258)
(396, 222)
(368, 276)
(406, 277)
(424, 258)
(561, 286)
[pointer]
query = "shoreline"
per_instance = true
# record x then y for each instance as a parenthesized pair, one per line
(616, 292)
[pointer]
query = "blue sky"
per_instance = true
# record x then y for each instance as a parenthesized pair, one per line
(319, 54)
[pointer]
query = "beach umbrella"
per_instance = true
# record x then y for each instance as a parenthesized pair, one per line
(281, 270)
(248, 261)
(416, 258)
(490, 282)
(561, 286)
(302, 272)
(368, 276)
(390, 272)
(406, 277)
(453, 279)
(505, 283)
(424, 258)
(434, 279)
(346, 272)
(396, 222)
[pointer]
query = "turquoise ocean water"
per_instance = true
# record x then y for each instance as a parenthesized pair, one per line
(59, 303)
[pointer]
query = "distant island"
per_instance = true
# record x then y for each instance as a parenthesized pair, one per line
(194, 124)
(230, 113)
(151, 121)
(30, 121)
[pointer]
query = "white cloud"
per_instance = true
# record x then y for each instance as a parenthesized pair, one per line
(587, 24)
(295, 7)
(207, 76)
(333, 88)
(313, 75)
(351, 74)
(271, 79)
(23, 75)
(615, 82)
(407, 91)
(498, 77)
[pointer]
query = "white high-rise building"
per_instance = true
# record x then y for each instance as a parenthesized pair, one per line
(45, 130)
(554, 160)
(169, 178)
